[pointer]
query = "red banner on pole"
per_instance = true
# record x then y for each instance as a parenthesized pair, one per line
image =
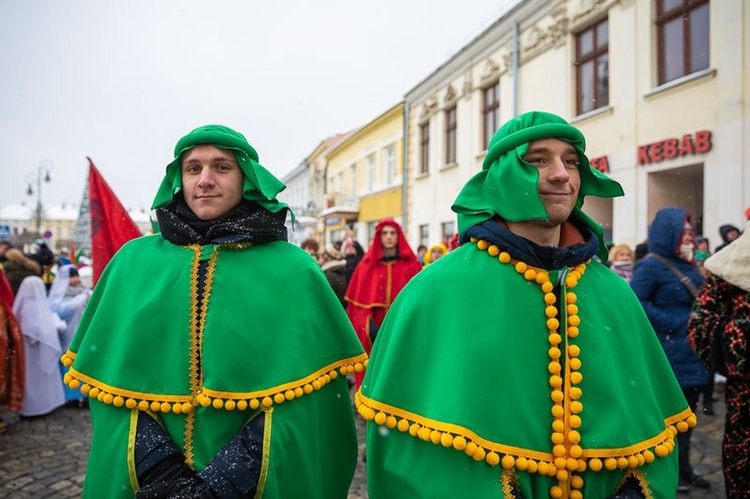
(111, 226)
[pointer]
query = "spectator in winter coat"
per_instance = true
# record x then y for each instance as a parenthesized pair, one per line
(728, 233)
(334, 267)
(667, 302)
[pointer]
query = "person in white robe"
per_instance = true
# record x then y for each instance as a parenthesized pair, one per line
(43, 391)
(67, 298)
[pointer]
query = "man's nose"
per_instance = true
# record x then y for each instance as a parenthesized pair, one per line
(206, 178)
(558, 171)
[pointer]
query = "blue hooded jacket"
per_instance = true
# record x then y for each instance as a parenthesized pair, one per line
(665, 299)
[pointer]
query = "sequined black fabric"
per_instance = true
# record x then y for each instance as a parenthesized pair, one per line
(245, 222)
(233, 473)
(160, 466)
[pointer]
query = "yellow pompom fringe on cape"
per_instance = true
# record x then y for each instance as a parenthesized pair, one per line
(182, 404)
(509, 457)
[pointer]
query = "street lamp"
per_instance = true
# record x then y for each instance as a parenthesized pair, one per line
(43, 173)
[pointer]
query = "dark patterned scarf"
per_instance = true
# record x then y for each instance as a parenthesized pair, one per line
(245, 222)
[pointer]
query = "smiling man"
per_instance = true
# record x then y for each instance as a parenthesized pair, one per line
(519, 365)
(215, 353)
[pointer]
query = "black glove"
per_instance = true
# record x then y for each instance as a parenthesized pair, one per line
(160, 466)
(234, 471)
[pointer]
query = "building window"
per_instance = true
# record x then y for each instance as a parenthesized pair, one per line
(424, 147)
(450, 135)
(592, 67)
(683, 37)
(353, 179)
(424, 235)
(390, 164)
(449, 229)
(490, 112)
(370, 171)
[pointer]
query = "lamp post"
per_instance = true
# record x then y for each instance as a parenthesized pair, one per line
(43, 173)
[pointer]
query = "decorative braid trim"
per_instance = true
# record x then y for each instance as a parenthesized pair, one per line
(184, 404)
(508, 457)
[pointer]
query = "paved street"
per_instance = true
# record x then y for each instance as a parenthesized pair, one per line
(46, 456)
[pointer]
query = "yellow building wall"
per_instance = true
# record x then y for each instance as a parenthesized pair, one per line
(350, 157)
(379, 206)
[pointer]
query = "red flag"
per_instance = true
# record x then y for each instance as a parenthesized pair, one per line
(73, 256)
(111, 226)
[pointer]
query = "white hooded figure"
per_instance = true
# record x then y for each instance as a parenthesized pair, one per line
(43, 392)
(67, 298)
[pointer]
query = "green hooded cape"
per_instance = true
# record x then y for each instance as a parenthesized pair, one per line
(484, 383)
(270, 336)
(469, 364)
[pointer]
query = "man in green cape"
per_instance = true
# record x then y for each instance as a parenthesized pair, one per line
(214, 353)
(534, 372)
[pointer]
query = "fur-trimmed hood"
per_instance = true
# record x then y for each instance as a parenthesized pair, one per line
(732, 263)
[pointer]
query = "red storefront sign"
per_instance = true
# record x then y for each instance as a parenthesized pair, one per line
(600, 164)
(671, 148)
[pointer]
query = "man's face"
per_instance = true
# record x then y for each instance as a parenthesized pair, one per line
(559, 178)
(732, 235)
(211, 181)
(388, 238)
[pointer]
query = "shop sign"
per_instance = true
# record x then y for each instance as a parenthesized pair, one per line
(671, 148)
(601, 163)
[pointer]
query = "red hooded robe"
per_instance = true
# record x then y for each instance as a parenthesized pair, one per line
(375, 284)
(12, 367)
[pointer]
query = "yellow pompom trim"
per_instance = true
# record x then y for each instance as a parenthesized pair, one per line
(204, 397)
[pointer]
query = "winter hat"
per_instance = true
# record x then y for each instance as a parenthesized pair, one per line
(732, 263)
(259, 184)
(331, 253)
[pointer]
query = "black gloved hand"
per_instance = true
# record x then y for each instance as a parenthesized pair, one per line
(160, 466)
(234, 471)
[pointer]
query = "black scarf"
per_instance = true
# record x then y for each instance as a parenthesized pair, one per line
(546, 257)
(245, 222)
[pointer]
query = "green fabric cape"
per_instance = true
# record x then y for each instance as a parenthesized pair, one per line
(464, 352)
(273, 332)
(508, 185)
(259, 185)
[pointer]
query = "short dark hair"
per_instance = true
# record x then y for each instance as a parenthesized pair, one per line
(310, 243)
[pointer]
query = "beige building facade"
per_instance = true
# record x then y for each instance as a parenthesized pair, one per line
(364, 177)
(660, 89)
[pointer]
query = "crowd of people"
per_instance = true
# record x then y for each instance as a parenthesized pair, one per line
(218, 360)
(42, 300)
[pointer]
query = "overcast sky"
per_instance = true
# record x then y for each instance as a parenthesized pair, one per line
(122, 81)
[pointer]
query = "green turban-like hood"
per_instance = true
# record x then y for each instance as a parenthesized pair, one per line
(508, 186)
(259, 184)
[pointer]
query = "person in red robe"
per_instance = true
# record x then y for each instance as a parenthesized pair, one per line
(11, 353)
(381, 274)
